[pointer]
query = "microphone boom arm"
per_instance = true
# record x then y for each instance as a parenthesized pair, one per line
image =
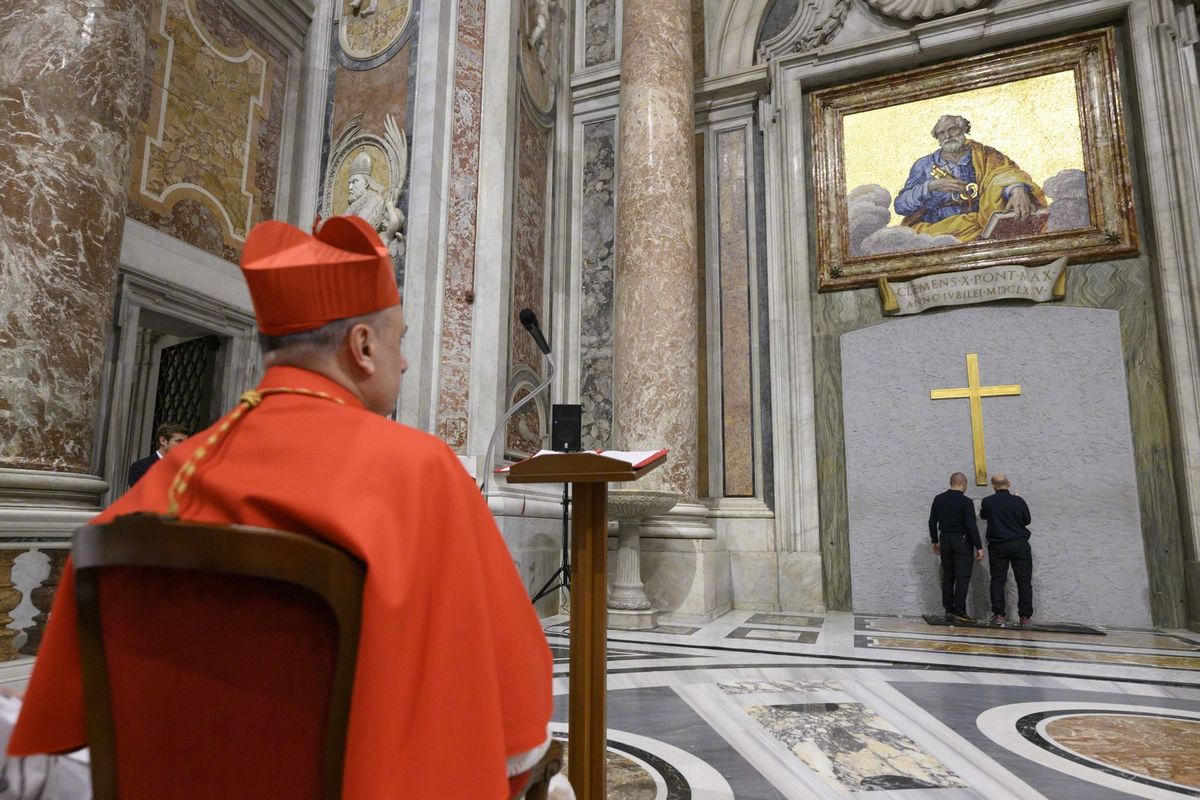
(501, 427)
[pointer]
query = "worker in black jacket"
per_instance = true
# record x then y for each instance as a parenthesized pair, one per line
(1007, 514)
(954, 533)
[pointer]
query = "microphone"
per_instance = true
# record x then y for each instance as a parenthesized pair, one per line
(530, 321)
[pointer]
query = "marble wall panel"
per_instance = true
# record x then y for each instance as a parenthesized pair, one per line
(529, 278)
(598, 212)
(64, 171)
(600, 32)
(1124, 286)
(454, 376)
(737, 403)
(765, 417)
(374, 93)
(702, 440)
(206, 157)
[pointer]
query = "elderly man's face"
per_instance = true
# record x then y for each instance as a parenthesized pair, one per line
(357, 184)
(951, 136)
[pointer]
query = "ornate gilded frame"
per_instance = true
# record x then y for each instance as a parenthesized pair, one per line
(1113, 232)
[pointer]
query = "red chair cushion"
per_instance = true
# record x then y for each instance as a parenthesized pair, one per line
(220, 684)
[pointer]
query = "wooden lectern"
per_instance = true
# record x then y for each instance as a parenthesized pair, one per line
(589, 475)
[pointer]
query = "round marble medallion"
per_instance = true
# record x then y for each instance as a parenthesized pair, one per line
(1165, 749)
(1145, 751)
(627, 779)
(644, 768)
(371, 29)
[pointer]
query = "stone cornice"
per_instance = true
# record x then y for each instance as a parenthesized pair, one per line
(285, 21)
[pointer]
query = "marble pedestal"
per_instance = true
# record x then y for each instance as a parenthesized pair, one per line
(686, 566)
(628, 606)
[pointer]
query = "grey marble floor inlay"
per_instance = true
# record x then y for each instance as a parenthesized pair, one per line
(785, 619)
(770, 635)
(852, 748)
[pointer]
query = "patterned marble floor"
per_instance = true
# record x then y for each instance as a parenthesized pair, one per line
(759, 706)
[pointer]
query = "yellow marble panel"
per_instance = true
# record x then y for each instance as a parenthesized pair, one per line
(1023, 651)
(1150, 641)
(206, 106)
(1157, 747)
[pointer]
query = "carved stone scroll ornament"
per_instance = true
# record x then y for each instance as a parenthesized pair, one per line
(353, 182)
(922, 9)
(814, 24)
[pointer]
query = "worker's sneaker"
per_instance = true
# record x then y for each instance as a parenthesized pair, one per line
(1025, 621)
(998, 619)
(961, 619)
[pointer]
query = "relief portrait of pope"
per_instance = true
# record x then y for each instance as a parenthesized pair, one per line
(956, 189)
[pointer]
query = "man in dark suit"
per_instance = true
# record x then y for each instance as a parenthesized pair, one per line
(1007, 514)
(954, 533)
(167, 436)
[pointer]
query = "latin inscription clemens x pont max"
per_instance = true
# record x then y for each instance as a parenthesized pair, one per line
(1003, 282)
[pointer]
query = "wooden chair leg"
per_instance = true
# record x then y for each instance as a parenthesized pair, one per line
(543, 771)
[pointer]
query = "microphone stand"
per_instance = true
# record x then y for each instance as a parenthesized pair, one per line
(487, 459)
(561, 577)
(564, 571)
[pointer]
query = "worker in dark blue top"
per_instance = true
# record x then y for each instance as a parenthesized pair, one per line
(954, 533)
(1007, 514)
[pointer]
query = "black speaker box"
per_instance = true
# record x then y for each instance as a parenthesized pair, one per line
(565, 426)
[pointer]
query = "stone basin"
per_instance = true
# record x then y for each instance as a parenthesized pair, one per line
(633, 504)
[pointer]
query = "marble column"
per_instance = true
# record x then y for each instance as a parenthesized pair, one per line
(655, 318)
(67, 111)
(656, 312)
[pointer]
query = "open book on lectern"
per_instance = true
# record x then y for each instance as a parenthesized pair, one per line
(636, 459)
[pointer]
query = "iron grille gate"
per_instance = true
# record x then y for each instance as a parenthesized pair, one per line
(185, 384)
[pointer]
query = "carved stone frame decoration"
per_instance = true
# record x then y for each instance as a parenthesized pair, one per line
(1112, 233)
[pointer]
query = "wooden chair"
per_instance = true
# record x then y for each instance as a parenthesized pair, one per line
(218, 661)
(543, 771)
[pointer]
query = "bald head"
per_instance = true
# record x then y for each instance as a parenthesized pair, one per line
(958, 481)
(1000, 481)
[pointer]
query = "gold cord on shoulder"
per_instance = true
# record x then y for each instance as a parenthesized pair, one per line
(249, 400)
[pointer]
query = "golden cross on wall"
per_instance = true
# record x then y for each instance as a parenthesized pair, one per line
(975, 393)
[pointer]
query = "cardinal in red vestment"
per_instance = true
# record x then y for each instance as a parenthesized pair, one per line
(452, 691)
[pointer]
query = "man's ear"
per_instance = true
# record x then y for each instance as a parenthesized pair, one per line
(361, 342)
